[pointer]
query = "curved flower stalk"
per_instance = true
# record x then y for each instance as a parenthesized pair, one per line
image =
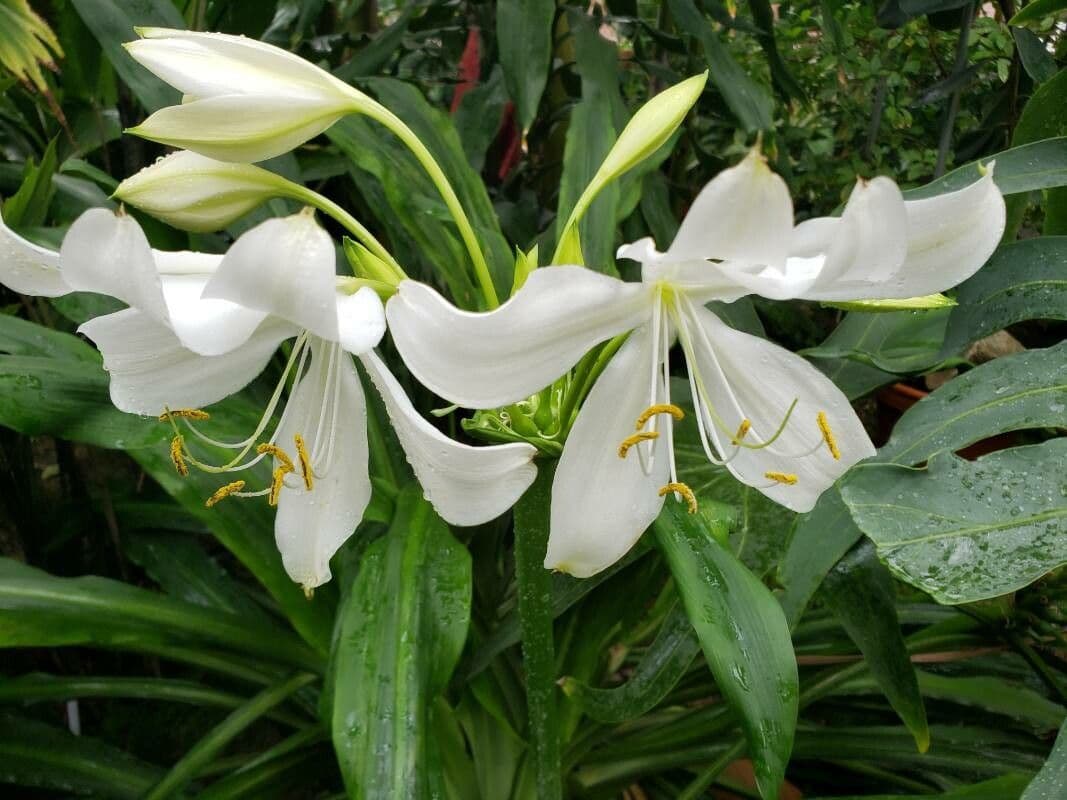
(200, 327)
(246, 101)
(773, 420)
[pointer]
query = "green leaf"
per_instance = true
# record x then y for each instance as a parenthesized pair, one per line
(905, 342)
(1036, 60)
(28, 207)
(183, 569)
(524, 41)
(1023, 280)
(984, 692)
(538, 644)
(60, 389)
(210, 746)
(1049, 783)
(661, 667)
(820, 539)
(40, 610)
(478, 117)
(750, 101)
(744, 636)
(965, 531)
(1024, 390)
(1002, 788)
(860, 592)
(113, 24)
(400, 633)
(1033, 12)
(1038, 165)
(33, 754)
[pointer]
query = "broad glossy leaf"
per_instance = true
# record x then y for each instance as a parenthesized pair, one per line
(852, 377)
(1039, 165)
(1023, 280)
(38, 755)
(40, 610)
(1049, 783)
(524, 41)
(660, 669)
(112, 24)
(1036, 59)
(860, 592)
(965, 531)
(899, 342)
(1025, 390)
(1036, 10)
(744, 636)
(821, 537)
(401, 630)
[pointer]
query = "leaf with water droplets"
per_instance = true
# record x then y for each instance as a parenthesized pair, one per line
(1026, 390)
(1024, 280)
(1049, 782)
(744, 635)
(401, 630)
(966, 531)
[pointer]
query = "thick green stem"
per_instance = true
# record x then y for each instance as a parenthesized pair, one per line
(535, 622)
(440, 180)
(353, 225)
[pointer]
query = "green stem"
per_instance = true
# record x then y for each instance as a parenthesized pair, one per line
(707, 776)
(535, 622)
(354, 226)
(425, 158)
(190, 765)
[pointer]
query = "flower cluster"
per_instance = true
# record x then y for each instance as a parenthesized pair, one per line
(200, 327)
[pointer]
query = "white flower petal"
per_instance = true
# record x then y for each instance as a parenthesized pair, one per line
(870, 242)
(311, 525)
(285, 267)
(28, 269)
(207, 327)
(150, 370)
(237, 127)
(948, 238)
(108, 253)
(210, 64)
(601, 504)
(490, 359)
(744, 214)
(360, 320)
(750, 378)
(467, 485)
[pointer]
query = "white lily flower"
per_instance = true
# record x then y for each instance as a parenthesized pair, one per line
(244, 100)
(201, 327)
(772, 419)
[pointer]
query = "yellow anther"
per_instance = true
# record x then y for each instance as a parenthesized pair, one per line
(659, 408)
(177, 446)
(637, 438)
(183, 413)
(309, 591)
(278, 482)
(828, 435)
(278, 453)
(223, 492)
(742, 431)
(788, 478)
(305, 462)
(684, 491)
